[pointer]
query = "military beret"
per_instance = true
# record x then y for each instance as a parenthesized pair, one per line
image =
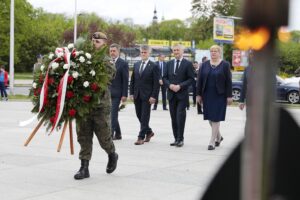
(99, 35)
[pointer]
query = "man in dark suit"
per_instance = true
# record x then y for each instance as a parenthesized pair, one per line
(162, 71)
(118, 89)
(179, 77)
(144, 87)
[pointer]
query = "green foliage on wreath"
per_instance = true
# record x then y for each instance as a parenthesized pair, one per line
(90, 73)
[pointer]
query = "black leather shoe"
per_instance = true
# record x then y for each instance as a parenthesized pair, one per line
(218, 143)
(83, 171)
(117, 137)
(154, 108)
(210, 147)
(180, 144)
(112, 162)
(165, 108)
(174, 143)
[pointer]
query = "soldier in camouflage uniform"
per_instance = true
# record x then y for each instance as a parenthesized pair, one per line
(97, 122)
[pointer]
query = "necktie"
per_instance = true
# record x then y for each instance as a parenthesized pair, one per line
(142, 68)
(162, 69)
(177, 65)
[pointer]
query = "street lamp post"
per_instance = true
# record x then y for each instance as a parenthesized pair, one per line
(75, 23)
(12, 43)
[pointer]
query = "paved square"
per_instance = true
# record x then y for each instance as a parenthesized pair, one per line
(154, 170)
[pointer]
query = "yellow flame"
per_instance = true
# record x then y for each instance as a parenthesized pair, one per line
(283, 34)
(252, 39)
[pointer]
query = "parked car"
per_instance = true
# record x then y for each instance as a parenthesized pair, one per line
(286, 91)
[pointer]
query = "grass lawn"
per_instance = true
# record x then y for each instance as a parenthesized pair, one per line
(24, 75)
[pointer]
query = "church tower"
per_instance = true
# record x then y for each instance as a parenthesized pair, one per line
(155, 19)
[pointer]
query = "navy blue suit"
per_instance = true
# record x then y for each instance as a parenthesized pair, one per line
(162, 72)
(178, 100)
(142, 87)
(118, 89)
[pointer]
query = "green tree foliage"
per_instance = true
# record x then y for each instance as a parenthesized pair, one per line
(289, 59)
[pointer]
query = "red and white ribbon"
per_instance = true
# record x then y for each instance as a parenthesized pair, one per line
(62, 88)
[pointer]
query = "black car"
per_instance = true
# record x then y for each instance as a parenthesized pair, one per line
(286, 91)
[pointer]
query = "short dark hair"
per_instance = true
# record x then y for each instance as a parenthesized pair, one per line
(115, 45)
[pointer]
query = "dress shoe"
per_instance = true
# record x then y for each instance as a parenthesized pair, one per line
(210, 147)
(180, 144)
(148, 137)
(83, 171)
(200, 113)
(153, 108)
(112, 162)
(117, 137)
(174, 143)
(218, 143)
(139, 142)
(165, 108)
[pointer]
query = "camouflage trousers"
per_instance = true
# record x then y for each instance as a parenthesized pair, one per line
(97, 122)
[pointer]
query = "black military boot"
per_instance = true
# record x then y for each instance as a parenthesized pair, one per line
(112, 162)
(83, 171)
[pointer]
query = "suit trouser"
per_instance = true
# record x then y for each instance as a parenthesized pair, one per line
(97, 122)
(164, 97)
(115, 126)
(143, 109)
(178, 115)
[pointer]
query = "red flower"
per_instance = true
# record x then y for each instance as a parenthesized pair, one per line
(70, 79)
(52, 119)
(50, 81)
(41, 79)
(37, 91)
(86, 98)
(69, 94)
(94, 87)
(72, 112)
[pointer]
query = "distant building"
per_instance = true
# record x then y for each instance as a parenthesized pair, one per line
(155, 19)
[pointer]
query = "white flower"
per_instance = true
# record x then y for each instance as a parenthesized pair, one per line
(89, 62)
(86, 84)
(51, 56)
(34, 85)
(60, 54)
(81, 59)
(71, 46)
(66, 66)
(42, 67)
(75, 75)
(88, 56)
(76, 53)
(92, 72)
(54, 65)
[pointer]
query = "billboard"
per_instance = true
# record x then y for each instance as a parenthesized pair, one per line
(223, 31)
(186, 44)
(159, 43)
(240, 58)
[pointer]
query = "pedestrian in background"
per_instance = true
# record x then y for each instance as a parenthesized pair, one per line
(178, 78)
(162, 71)
(3, 83)
(144, 88)
(98, 123)
(215, 92)
(118, 89)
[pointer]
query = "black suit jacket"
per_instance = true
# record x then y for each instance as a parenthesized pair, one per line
(162, 74)
(184, 78)
(223, 80)
(145, 85)
(119, 85)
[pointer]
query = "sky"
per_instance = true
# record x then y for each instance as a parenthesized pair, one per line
(141, 11)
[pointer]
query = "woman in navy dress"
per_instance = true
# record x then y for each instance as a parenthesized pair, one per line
(215, 92)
